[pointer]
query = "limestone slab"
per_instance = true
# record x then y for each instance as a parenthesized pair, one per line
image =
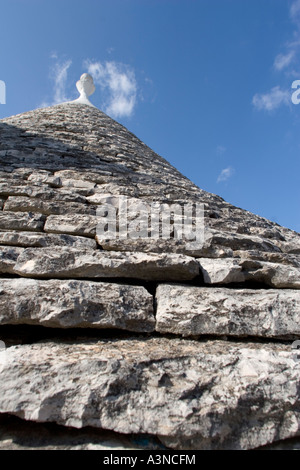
(72, 304)
(21, 221)
(193, 395)
(74, 224)
(30, 204)
(273, 274)
(68, 263)
(17, 434)
(190, 311)
(221, 271)
(39, 240)
(8, 258)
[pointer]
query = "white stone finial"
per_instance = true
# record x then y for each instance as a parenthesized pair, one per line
(85, 86)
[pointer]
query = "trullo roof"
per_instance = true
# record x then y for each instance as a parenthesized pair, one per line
(153, 342)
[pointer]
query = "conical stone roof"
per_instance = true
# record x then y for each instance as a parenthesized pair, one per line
(189, 344)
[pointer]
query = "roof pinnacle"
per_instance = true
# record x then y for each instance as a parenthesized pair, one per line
(85, 86)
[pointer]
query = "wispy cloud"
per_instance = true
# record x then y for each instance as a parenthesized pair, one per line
(283, 60)
(272, 100)
(295, 10)
(286, 61)
(119, 83)
(59, 75)
(225, 174)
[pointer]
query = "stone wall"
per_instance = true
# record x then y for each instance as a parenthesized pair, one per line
(136, 343)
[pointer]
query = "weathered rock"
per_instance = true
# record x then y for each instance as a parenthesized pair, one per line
(234, 241)
(78, 183)
(16, 434)
(69, 304)
(221, 271)
(191, 311)
(67, 262)
(46, 177)
(75, 224)
(73, 142)
(39, 240)
(212, 395)
(286, 444)
(21, 221)
(272, 274)
(85, 175)
(234, 270)
(143, 245)
(8, 258)
(291, 259)
(64, 162)
(7, 189)
(24, 204)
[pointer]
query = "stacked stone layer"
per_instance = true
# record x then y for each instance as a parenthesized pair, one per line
(205, 358)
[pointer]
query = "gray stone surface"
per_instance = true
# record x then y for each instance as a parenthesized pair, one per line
(73, 304)
(16, 434)
(234, 270)
(8, 258)
(65, 144)
(190, 311)
(66, 262)
(272, 274)
(58, 165)
(221, 271)
(40, 240)
(193, 395)
(21, 221)
(24, 204)
(75, 224)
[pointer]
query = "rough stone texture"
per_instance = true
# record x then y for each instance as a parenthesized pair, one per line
(76, 224)
(69, 304)
(272, 274)
(287, 444)
(67, 262)
(8, 258)
(232, 270)
(16, 434)
(24, 204)
(221, 271)
(190, 311)
(58, 166)
(40, 240)
(43, 149)
(21, 221)
(212, 395)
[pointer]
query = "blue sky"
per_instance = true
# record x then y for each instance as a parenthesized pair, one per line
(205, 83)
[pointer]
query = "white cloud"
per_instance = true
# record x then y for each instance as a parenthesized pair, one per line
(225, 174)
(118, 81)
(295, 10)
(283, 60)
(272, 100)
(59, 74)
(288, 61)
